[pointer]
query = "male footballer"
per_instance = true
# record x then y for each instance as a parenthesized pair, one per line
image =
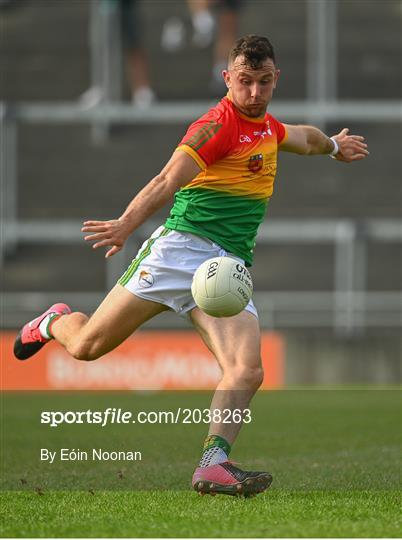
(221, 176)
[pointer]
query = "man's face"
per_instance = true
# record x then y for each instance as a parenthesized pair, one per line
(251, 89)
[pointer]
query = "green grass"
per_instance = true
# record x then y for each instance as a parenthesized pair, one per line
(180, 514)
(334, 456)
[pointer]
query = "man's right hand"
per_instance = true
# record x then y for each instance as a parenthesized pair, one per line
(179, 171)
(111, 233)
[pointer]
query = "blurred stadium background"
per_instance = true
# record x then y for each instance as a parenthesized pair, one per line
(328, 266)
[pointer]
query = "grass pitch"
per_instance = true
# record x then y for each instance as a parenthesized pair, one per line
(279, 513)
(334, 456)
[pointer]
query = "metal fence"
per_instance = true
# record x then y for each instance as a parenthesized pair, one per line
(348, 307)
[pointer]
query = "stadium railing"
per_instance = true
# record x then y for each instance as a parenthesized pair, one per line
(347, 308)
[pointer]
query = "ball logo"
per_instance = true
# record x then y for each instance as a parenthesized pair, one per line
(242, 275)
(240, 268)
(244, 295)
(212, 268)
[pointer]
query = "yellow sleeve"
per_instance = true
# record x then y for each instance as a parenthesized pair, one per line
(197, 158)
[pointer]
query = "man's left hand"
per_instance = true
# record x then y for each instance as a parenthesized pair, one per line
(351, 147)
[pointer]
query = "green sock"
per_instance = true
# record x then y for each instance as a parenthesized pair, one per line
(46, 325)
(216, 450)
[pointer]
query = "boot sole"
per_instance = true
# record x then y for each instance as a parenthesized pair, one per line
(247, 488)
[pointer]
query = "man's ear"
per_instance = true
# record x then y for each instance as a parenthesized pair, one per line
(226, 77)
(277, 73)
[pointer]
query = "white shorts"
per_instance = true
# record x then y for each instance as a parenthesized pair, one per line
(164, 267)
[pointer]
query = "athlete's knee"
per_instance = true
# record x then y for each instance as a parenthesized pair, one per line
(252, 376)
(245, 376)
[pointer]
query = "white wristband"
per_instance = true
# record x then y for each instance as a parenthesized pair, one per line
(335, 149)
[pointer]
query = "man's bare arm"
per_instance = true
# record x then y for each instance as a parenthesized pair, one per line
(179, 171)
(309, 140)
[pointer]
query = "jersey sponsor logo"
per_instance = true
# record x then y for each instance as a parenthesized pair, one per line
(255, 163)
(270, 169)
(146, 279)
(263, 133)
(244, 139)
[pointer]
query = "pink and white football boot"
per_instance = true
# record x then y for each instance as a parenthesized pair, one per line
(29, 341)
(226, 479)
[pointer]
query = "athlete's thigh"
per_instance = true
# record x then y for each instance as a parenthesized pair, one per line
(235, 341)
(118, 316)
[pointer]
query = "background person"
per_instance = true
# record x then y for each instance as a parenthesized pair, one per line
(214, 22)
(130, 30)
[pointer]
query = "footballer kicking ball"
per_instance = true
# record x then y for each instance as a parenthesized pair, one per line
(222, 287)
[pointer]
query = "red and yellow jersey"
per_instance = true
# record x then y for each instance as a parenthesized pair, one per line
(226, 201)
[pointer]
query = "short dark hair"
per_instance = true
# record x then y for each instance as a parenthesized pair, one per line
(255, 50)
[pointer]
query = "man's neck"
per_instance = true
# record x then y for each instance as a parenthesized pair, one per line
(243, 113)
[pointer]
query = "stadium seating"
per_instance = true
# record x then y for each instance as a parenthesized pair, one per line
(63, 175)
